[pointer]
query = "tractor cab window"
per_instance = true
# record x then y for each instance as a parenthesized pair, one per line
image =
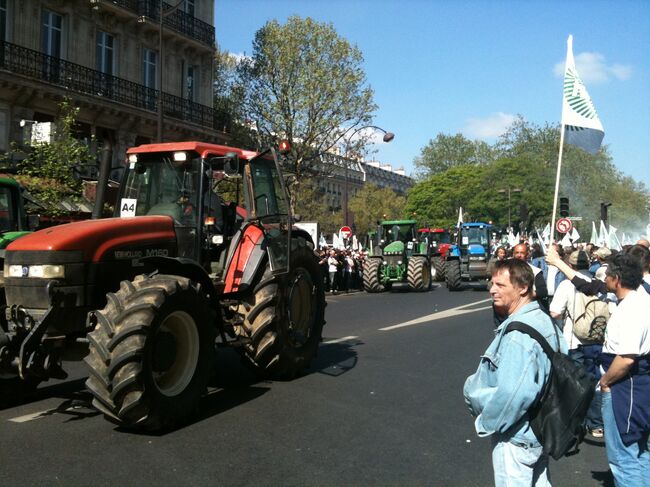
(475, 236)
(398, 233)
(441, 238)
(160, 185)
(269, 196)
(7, 220)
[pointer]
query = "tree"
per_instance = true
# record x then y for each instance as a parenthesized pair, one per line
(447, 151)
(48, 170)
(229, 99)
(305, 83)
(372, 203)
(311, 206)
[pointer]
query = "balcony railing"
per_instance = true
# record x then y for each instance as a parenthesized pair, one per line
(178, 20)
(80, 79)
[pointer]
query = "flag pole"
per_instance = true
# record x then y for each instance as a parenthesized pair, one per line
(557, 185)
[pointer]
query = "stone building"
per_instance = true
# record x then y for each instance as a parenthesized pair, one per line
(106, 56)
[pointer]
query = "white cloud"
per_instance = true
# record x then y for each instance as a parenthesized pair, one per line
(594, 69)
(489, 127)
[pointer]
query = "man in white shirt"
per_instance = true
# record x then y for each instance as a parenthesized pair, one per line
(563, 306)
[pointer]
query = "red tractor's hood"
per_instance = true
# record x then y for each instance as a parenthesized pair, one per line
(95, 237)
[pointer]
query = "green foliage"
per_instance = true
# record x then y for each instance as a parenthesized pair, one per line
(525, 158)
(48, 170)
(372, 203)
(447, 151)
(304, 82)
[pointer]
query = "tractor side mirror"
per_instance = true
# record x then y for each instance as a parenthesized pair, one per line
(231, 164)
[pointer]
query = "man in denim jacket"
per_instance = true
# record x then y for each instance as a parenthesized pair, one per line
(510, 378)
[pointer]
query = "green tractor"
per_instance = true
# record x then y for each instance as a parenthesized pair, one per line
(397, 256)
(14, 223)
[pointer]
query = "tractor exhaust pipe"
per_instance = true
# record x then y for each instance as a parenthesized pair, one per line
(102, 182)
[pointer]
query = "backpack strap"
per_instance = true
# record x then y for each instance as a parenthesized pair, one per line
(646, 286)
(534, 334)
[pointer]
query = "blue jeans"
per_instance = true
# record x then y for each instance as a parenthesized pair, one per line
(519, 465)
(630, 465)
(587, 355)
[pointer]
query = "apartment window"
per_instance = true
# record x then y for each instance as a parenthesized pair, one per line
(105, 53)
(190, 83)
(3, 20)
(51, 33)
(149, 62)
(189, 7)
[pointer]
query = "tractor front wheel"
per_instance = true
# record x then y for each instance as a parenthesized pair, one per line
(371, 276)
(419, 274)
(152, 352)
(452, 275)
(284, 317)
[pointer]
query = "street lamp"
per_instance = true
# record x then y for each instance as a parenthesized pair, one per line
(388, 136)
(161, 16)
(509, 191)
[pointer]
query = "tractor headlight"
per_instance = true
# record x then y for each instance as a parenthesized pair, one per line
(385, 262)
(480, 257)
(399, 262)
(45, 271)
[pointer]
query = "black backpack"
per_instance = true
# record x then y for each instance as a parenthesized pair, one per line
(557, 416)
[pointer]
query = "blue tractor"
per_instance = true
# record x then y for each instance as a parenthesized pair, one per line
(467, 259)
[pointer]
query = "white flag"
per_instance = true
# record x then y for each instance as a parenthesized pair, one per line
(612, 239)
(546, 233)
(581, 124)
(594, 234)
(603, 236)
(575, 236)
(460, 217)
(512, 240)
(566, 241)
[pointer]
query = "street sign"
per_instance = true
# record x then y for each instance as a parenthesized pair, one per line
(575, 218)
(564, 225)
(345, 232)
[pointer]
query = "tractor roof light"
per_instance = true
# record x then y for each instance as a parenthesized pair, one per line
(180, 156)
(133, 158)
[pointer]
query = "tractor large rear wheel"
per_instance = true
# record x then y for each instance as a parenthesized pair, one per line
(452, 275)
(371, 276)
(152, 352)
(439, 266)
(419, 274)
(284, 318)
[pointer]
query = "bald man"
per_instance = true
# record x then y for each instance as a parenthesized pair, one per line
(644, 242)
(540, 291)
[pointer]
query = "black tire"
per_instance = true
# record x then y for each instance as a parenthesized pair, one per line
(152, 352)
(419, 274)
(439, 266)
(284, 317)
(452, 275)
(371, 270)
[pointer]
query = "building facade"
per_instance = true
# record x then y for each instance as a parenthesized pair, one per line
(107, 55)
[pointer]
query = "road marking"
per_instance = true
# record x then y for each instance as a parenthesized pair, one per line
(457, 311)
(339, 340)
(33, 416)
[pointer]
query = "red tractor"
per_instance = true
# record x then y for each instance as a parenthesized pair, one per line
(440, 241)
(201, 252)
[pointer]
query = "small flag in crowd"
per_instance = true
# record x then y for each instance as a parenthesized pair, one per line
(581, 124)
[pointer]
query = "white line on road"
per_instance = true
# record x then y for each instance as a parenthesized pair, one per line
(33, 416)
(339, 340)
(457, 311)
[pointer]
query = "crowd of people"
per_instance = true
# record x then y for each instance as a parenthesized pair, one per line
(551, 293)
(342, 269)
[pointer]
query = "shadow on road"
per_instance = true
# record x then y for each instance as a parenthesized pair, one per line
(605, 478)
(335, 359)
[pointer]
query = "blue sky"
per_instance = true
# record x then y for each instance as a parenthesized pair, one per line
(471, 66)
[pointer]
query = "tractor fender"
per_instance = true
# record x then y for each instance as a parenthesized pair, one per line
(246, 257)
(299, 232)
(180, 266)
(453, 253)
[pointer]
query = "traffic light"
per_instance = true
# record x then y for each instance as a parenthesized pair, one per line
(603, 211)
(564, 207)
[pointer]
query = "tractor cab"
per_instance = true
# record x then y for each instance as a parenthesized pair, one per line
(398, 237)
(200, 187)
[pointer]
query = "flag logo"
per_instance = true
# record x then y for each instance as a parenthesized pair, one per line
(576, 95)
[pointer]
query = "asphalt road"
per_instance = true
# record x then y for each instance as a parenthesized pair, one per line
(381, 405)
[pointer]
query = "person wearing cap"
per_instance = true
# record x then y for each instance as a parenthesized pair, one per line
(601, 255)
(563, 307)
